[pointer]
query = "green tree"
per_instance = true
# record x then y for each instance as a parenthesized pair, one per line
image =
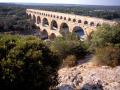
(26, 63)
(105, 35)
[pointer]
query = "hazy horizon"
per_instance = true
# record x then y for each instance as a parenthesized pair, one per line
(82, 2)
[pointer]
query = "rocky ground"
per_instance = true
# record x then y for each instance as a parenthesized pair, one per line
(87, 76)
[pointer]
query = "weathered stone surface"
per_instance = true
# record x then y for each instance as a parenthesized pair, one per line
(87, 77)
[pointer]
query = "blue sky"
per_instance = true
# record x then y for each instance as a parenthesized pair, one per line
(89, 2)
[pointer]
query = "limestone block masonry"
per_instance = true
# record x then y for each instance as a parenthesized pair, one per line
(54, 22)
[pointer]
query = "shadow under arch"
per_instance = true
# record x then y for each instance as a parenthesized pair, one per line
(45, 22)
(92, 24)
(52, 36)
(38, 20)
(28, 16)
(64, 29)
(34, 19)
(44, 34)
(79, 32)
(86, 22)
(54, 25)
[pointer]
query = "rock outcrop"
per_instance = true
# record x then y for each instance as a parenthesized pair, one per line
(89, 77)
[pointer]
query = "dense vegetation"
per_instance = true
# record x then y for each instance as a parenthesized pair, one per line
(26, 63)
(14, 20)
(68, 47)
(106, 43)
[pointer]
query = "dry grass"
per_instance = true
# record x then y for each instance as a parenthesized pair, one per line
(109, 56)
(70, 61)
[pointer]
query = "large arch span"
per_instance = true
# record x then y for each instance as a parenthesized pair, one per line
(64, 29)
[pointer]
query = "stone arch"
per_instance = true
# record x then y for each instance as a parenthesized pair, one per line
(79, 21)
(54, 25)
(51, 15)
(57, 16)
(38, 20)
(98, 24)
(52, 36)
(29, 16)
(74, 20)
(64, 18)
(85, 22)
(78, 31)
(91, 23)
(61, 17)
(69, 19)
(45, 22)
(34, 19)
(44, 34)
(64, 29)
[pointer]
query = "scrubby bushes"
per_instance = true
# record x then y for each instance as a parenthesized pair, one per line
(69, 45)
(107, 56)
(26, 63)
(106, 43)
(69, 61)
(106, 35)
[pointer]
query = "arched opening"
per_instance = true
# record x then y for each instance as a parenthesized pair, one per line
(38, 20)
(57, 16)
(64, 18)
(52, 36)
(44, 34)
(86, 22)
(61, 17)
(64, 29)
(98, 24)
(28, 16)
(54, 25)
(92, 24)
(79, 32)
(74, 20)
(34, 19)
(69, 19)
(45, 22)
(79, 21)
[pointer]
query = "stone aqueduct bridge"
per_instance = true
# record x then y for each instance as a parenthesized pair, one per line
(56, 24)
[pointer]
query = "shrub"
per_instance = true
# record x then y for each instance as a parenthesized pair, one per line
(105, 35)
(106, 44)
(64, 46)
(107, 56)
(27, 63)
(69, 61)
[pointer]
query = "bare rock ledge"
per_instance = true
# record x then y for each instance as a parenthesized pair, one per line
(89, 77)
